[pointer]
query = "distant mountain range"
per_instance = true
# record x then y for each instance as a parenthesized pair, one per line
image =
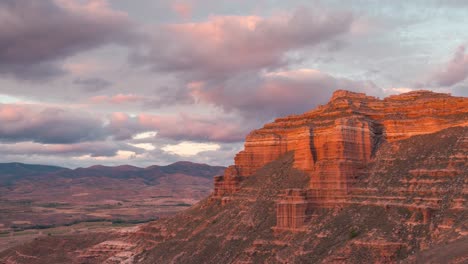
(14, 171)
(21, 169)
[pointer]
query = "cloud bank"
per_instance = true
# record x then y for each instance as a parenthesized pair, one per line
(455, 71)
(223, 46)
(36, 35)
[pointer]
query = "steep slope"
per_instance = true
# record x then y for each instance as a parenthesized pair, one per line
(359, 180)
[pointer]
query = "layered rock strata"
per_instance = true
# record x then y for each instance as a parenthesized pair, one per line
(291, 210)
(336, 142)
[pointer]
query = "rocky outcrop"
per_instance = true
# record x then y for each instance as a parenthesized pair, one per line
(291, 210)
(334, 142)
(227, 183)
(334, 145)
(116, 251)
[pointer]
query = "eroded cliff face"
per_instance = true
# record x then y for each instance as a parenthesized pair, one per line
(334, 142)
(403, 203)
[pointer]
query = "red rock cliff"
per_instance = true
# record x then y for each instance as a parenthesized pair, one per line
(335, 141)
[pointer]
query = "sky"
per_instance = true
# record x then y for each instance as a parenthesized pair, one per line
(145, 82)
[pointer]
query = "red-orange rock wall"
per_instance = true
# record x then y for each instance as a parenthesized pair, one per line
(291, 210)
(342, 150)
(333, 142)
(260, 148)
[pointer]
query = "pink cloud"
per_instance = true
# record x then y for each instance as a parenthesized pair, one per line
(119, 117)
(226, 45)
(179, 127)
(92, 8)
(94, 149)
(99, 99)
(116, 99)
(198, 128)
(125, 98)
(184, 10)
(456, 69)
(11, 113)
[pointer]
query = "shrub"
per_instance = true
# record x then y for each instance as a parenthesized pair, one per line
(353, 233)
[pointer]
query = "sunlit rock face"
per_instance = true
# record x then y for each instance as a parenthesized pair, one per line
(335, 141)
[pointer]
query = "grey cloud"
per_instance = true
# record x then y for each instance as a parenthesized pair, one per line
(39, 71)
(455, 71)
(35, 35)
(168, 95)
(181, 127)
(278, 93)
(123, 127)
(92, 84)
(48, 125)
(94, 149)
(222, 157)
(460, 90)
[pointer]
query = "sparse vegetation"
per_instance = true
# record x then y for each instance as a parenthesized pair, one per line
(353, 233)
(183, 204)
(23, 233)
(120, 221)
(54, 205)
